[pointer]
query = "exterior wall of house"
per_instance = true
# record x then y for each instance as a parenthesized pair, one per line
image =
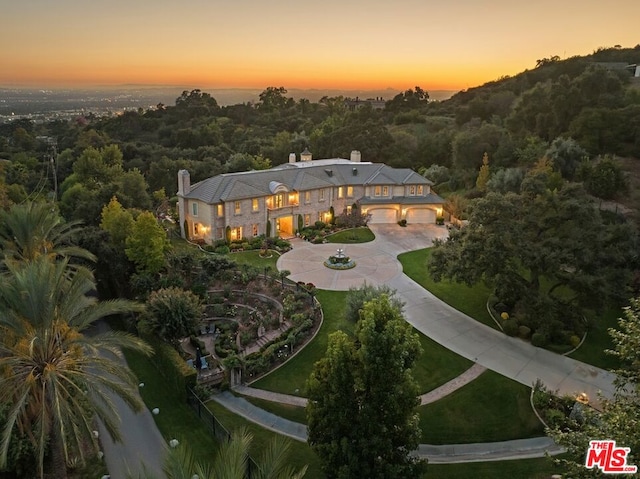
(296, 206)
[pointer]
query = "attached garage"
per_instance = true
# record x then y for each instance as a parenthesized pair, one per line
(383, 215)
(421, 216)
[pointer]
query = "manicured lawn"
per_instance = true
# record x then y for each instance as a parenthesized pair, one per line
(436, 366)
(354, 235)
(491, 408)
(470, 300)
(253, 258)
(292, 413)
(541, 468)
(176, 419)
(300, 454)
(598, 340)
(292, 377)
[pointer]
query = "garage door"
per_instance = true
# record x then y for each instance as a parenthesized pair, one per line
(422, 216)
(383, 215)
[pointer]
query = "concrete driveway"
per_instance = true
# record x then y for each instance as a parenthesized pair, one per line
(376, 262)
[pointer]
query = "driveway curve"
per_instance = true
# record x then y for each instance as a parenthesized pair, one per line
(377, 264)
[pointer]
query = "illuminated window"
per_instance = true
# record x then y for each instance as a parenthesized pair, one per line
(376, 191)
(349, 209)
(307, 197)
(194, 209)
(307, 219)
(196, 228)
(254, 229)
(278, 201)
(340, 192)
(412, 190)
(220, 210)
(321, 195)
(236, 233)
(255, 206)
(385, 191)
(420, 189)
(349, 191)
(237, 207)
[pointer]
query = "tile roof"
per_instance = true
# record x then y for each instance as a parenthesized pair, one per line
(300, 176)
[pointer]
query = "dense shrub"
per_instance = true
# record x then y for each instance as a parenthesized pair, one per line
(510, 327)
(539, 339)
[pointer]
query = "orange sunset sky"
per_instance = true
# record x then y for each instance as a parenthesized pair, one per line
(344, 44)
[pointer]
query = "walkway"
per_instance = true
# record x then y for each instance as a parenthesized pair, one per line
(427, 398)
(436, 454)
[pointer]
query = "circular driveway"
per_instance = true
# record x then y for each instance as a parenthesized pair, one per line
(376, 262)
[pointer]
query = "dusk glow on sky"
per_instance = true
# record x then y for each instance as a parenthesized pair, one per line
(343, 44)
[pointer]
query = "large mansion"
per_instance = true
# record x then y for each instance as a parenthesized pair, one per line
(278, 201)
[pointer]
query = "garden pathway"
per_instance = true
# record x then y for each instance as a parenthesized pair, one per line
(436, 454)
(438, 393)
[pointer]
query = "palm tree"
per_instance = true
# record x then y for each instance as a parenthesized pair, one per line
(231, 461)
(31, 230)
(55, 376)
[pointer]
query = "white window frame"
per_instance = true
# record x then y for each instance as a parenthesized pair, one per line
(194, 209)
(385, 191)
(321, 195)
(420, 190)
(377, 190)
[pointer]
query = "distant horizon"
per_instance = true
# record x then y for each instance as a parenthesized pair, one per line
(343, 46)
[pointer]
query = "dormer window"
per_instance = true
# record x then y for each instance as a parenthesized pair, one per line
(420, 190)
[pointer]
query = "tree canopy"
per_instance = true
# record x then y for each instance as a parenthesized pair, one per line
(362, 398)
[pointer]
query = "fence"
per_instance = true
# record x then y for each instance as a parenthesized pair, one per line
(216, 428)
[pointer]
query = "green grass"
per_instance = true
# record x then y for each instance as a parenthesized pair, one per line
(253, 258)
(176, 419)
(598, 340)
(354, 235)
(491, 408)
(470, 300)
(300, 454)
(292, 413)
(291, 378)
(541, 468)
(436, 366)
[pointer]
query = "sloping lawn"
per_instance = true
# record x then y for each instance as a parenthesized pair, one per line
(252, 257)
(436, 365)
(470, 300)
(176, 419)
(291, 378)
(490, 408)
(300, 454)
(354, 235)
(598, 340)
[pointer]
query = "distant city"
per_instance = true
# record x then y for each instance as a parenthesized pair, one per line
(42, 105)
